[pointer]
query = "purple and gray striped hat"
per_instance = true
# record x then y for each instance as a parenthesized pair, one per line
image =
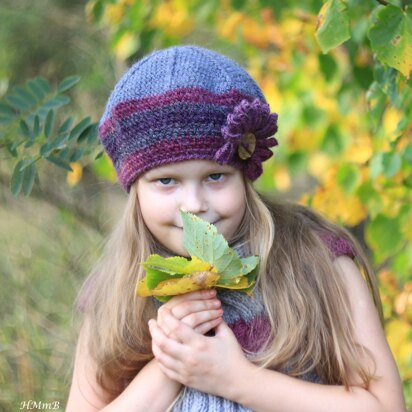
(184, 103)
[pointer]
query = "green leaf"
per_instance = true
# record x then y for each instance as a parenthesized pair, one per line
(99, 155)
(35, 88)
(407, 153)
(56, 102)
(391, 163)
(384, 235)
(92, 135)
(24, 94)
(17, 102)
(28, 179)
(376, 165)
(16, 179)
(376, 99)
(390, 33)
(249, 263)
(36, 126)
(327, 66)
(45, 150)
(67, 124)
(49, 123)
(59, 141)
(333, 25)
(84, 134)
(179, 285)
(43, 84)
(201, 239)
(348, 177)
(24, 128)
(26, 162)
(77, 154)
(68, 83)
(176, 264)
(155, 276)
(78, 129)
(64, 154)
(59, 162)
(6, 110)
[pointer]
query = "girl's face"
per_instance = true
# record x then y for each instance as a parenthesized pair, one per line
(213, 192)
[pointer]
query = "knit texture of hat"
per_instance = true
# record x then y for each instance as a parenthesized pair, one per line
(185, 103)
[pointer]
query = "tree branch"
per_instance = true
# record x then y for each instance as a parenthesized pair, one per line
(383, 2)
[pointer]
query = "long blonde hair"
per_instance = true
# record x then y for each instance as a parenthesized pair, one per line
(305, 297)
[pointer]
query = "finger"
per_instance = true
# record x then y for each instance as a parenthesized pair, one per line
(196, 319)
(185, 308)
(195, 295)
(183, 333)
(167, 345)
(207, 326)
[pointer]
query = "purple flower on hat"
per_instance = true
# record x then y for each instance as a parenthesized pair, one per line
(248, 132)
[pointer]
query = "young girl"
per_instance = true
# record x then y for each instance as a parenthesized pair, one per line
(188, 129)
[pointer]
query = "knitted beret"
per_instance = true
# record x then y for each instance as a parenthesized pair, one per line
(184, 103)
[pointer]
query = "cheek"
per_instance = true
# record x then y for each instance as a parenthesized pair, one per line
(156, 208)
(232, 202)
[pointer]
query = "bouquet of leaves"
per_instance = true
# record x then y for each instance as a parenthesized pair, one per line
(212, 264)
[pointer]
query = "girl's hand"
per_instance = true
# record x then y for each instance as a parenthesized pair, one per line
(200, 310)
(209, 364)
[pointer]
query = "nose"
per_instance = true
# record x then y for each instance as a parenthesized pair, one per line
(193, 200)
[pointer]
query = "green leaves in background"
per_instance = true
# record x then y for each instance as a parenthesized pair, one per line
(31, 128)
(390, 33)
(333, 25)
(213, 264)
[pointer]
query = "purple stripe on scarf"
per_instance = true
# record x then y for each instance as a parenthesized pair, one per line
(252, 334)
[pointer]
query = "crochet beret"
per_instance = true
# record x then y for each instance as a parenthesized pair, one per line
(185, 103)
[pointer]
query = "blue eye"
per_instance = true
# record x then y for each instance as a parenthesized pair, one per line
(165, 180)
(216, 176)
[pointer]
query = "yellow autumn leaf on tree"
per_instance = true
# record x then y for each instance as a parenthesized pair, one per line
(172, 17)
(126, 45)
(397, 332)
(330, 200)
(114, 13)
(75, 176)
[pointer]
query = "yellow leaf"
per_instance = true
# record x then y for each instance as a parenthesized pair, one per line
(281, 178)
(391, 118)
(397, 332)
(75, 176)
(330, 200)
(188, 283)
(230, 26)
(240, 283)
(113, 14)
(126, 45)
(403, 303)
